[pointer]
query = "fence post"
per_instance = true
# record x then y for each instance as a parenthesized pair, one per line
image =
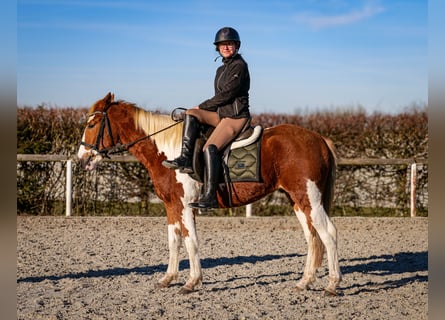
(248, 210)
(69, 187)
(413, 189)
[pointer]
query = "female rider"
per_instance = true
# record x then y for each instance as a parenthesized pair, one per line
(227, 111)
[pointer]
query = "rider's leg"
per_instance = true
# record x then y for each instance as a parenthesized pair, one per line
(212, 161)
(189, 135)
(224, 132)
(210, 118)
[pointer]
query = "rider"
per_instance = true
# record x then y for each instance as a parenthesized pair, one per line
(227, 112)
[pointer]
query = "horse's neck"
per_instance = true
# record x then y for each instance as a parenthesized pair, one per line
(148, 151)
(165, 135)
(144, 150)
(151, 158)
(151, 149)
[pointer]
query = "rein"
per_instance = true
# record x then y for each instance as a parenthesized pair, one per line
(117, 147)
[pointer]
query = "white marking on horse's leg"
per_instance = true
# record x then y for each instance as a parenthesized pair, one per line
(310, 268)
(174, 244)
(327, 232)
(191, 244)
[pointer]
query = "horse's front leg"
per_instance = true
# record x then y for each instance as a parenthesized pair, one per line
(191, 244)
(174, 245)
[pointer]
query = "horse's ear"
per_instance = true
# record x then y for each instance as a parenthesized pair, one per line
(109, 98)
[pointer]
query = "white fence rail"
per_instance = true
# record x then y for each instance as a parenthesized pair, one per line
(411, 163)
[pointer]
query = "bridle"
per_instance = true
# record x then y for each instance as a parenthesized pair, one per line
(116, 147)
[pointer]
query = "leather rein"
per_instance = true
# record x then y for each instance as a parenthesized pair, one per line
(116, 147)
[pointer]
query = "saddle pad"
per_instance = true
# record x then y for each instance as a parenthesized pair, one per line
(244, 163)
(257, 130)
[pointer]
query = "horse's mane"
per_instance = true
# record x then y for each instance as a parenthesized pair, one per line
(154, 124)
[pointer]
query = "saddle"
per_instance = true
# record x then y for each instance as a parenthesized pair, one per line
(241, 158)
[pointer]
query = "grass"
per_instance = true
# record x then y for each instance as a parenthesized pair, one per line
(111, 209)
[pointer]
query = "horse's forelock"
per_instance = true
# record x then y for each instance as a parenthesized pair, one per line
(94, 107)
(99, 105)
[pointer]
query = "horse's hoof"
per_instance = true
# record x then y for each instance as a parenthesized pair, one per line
(159, 285)
(185, 290)
(330, 293)
(299, 289)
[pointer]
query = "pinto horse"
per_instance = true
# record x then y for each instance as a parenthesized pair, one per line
(296, 160)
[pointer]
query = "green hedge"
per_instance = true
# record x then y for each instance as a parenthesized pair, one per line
(356, 134)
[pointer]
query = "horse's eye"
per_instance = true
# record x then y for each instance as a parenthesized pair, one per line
(91, 125)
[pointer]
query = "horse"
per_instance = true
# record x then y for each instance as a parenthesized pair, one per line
(298, 161)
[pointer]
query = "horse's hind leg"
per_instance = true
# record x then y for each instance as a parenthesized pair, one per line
(320, 233)
(314, 254)
(327, 233)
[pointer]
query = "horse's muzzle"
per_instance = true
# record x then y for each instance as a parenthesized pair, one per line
(85, 162)
(88, 159)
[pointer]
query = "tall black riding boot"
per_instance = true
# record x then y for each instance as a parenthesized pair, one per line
(212, 166)
(189, 134)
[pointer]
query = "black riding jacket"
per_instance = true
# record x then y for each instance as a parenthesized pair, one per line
(232, 84)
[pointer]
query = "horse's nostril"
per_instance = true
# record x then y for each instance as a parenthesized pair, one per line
(84, 161)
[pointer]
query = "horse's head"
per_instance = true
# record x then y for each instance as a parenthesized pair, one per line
(97, 139)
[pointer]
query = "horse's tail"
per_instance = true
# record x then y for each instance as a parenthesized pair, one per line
(328, 195)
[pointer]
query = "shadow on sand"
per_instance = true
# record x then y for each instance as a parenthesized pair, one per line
(407, 264)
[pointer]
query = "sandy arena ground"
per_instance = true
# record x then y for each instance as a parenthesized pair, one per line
(105, 268)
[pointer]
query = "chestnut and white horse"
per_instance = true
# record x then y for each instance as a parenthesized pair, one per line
(296, 160)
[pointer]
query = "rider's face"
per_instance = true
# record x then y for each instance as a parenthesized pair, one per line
(227, 48)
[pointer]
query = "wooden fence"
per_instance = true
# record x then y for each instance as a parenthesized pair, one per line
(411, 163)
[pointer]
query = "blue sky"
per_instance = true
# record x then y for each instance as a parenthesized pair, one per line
(303, 55)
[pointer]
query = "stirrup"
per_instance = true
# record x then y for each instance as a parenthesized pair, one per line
(186, 169)
(212, 204)
(180, 163)
(171, 164)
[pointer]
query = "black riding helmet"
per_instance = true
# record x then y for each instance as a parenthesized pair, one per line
(227, 34)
